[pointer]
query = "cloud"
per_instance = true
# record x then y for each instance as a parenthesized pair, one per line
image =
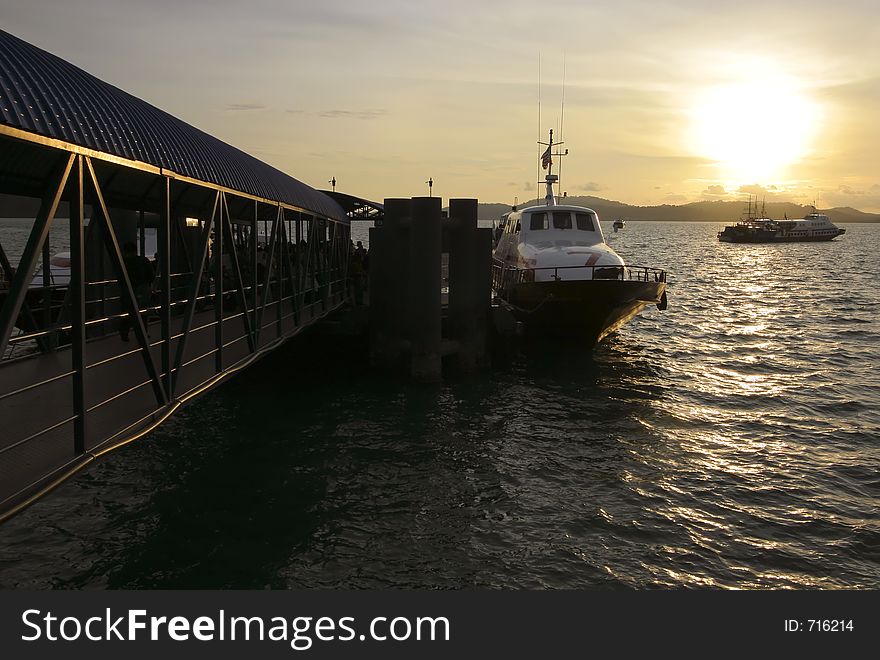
(868, 201)
(590, 186)
(352, 114)
(846, 190)
(671, 197)
(756, 189)
(244, 107)
(715, 190)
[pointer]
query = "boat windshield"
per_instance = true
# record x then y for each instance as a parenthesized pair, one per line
(585, 221)
(562, 220)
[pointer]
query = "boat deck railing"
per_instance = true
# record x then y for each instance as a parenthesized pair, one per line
(505, 275)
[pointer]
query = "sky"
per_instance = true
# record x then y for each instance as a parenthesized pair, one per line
(658, 102)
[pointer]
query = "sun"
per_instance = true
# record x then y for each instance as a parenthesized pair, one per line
(755, 127)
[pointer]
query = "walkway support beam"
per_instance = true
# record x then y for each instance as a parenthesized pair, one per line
(78, 307)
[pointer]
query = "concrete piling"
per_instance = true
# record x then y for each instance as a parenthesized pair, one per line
(469, 284)
(424, 306)
(389, 247)
(406, 311)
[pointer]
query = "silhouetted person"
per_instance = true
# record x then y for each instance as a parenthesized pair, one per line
(359, 273)
(140, 274)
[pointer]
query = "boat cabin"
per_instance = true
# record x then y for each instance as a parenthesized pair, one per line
(545, 227)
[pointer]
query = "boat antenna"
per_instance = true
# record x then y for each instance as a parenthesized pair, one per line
(562, 117)
(538, 188)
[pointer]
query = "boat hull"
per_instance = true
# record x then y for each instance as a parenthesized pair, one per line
(758, 238)
(587, 310)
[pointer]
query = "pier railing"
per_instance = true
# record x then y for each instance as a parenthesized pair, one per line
(51, 325)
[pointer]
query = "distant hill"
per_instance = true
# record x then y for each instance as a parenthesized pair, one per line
(717, 211)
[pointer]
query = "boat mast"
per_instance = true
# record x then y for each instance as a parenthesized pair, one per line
(547, 164)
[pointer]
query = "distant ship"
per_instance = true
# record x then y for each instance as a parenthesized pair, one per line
(554, 272)
(812, 227)
(619, 223)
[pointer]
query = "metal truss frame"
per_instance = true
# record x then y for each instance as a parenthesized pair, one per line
(218, 270)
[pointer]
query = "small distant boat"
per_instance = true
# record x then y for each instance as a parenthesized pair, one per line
(754, 229)
(556, 274)
(45, 296)
(59, 271)
(619, 223)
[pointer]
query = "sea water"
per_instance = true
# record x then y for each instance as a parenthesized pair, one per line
(732, 441)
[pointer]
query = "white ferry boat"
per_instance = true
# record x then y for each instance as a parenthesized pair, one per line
(554, 271)
(812, 227)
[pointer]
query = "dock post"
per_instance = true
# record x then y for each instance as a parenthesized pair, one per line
(469, 273)
(424, 289)
(389, 248)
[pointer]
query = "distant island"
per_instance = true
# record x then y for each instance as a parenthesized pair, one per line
(715, 211)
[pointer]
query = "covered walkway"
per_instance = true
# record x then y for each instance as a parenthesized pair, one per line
(100, 182)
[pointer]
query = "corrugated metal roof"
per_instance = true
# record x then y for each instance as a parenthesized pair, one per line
(43, 94)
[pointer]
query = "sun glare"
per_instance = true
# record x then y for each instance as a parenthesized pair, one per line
(754, 128)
